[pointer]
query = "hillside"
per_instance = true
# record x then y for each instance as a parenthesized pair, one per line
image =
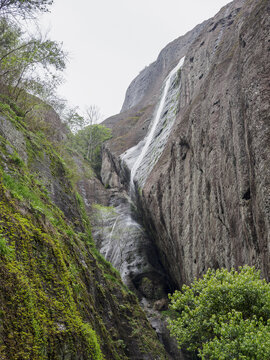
(60, 299)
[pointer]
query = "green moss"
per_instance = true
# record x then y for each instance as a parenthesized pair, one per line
(24, 191)
(171, 314)
(82, 208)
(5, 249)
(16, 159)
(6, 110)
(33, 313)
(13, 106)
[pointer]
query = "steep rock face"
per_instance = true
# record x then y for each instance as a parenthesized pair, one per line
(206, 201)
(208, 197)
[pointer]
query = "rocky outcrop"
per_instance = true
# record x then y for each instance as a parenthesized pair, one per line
(206, 201)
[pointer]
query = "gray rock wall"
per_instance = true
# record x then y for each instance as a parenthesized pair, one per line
(207, 200)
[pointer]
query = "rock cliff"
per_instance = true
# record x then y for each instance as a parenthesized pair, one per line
(205, 201)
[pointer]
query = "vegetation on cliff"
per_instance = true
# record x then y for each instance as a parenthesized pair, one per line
(59, 298)
(88, 142)
(225, 315)
(28, 63)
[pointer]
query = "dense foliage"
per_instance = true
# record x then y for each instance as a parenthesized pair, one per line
(225, 315)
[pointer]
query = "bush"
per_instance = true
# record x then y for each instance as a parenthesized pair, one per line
(225, 315)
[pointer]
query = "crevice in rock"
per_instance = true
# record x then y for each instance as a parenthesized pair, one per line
(246, 195)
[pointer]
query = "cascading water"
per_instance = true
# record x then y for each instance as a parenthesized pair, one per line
(154, 142)
(124, 242)
(120, 238)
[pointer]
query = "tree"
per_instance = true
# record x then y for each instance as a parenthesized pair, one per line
(78, 122)
(92, 117)
(72, 118)
(32, 64)
(225, 315)
(97, 134)
(23, 8)
(89, 136)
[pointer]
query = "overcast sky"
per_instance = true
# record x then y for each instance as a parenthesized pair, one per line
(111, 41)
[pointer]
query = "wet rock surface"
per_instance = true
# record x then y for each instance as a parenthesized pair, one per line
(141, 158)
(124, 242)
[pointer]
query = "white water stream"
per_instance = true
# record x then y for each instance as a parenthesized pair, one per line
(120, 238)
(151, 133)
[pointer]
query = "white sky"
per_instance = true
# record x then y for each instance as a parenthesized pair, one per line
(111, 41)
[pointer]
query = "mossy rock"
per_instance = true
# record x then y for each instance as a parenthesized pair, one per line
(59, 299)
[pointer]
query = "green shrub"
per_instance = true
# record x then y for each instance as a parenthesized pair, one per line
(225, 315)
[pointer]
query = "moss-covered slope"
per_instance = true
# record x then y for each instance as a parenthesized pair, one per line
(59, 299)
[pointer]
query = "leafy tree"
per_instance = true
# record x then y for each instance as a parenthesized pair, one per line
(72, 118)
(89, 136)
(225, 315)
(78, 122)
(98, 134)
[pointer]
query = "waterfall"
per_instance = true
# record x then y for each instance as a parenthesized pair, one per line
(156, 121)
(120, 238)
(110, 237)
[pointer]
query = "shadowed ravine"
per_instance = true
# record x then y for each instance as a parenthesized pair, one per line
(119, 236)
(118, 228)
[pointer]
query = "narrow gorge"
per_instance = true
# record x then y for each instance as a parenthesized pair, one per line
(88, 258)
